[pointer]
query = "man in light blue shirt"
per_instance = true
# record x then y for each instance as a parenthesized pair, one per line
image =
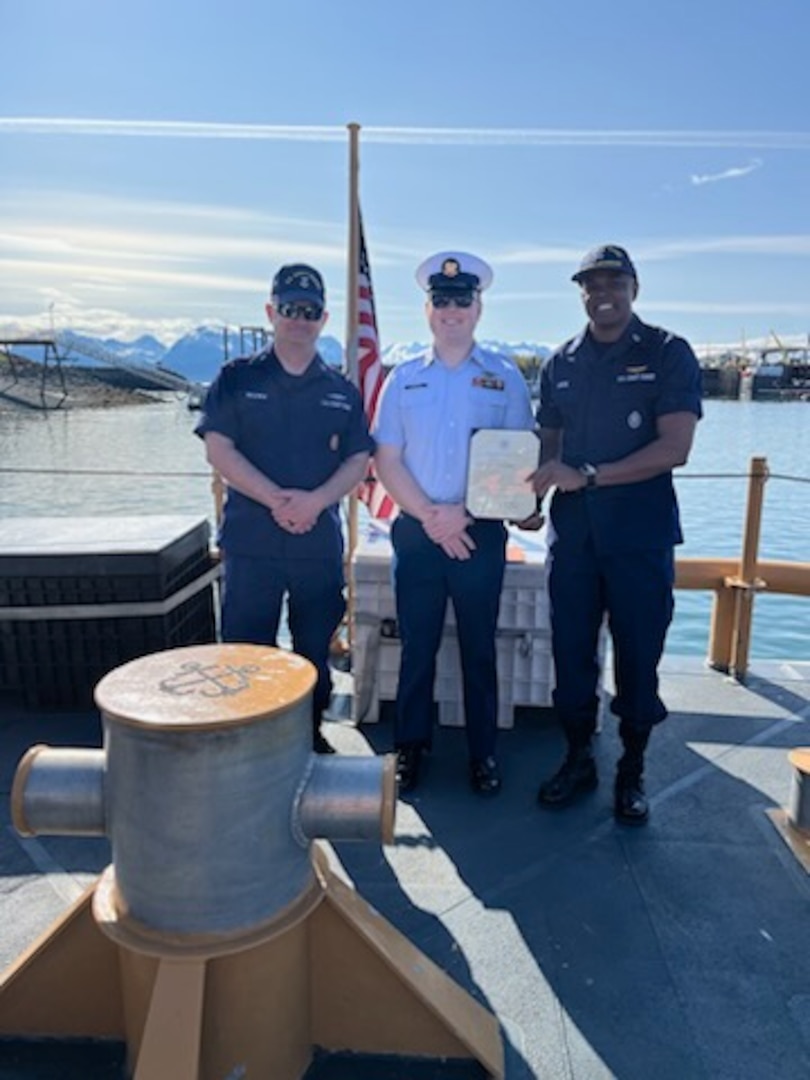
(428, 410)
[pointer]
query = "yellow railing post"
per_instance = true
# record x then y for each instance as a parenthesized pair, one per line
(218, 493)
(721, 635)
(746, 584)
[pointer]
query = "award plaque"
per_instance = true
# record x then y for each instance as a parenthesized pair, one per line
(501, 462)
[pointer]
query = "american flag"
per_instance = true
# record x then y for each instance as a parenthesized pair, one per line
(369, 377)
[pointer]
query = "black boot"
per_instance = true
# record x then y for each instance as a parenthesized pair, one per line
(319, 742)
(575, 777)
(409, 764)
(630, 805)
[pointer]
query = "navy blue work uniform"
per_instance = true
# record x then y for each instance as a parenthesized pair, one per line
(297, 430)
(429, 411)
(611, 547)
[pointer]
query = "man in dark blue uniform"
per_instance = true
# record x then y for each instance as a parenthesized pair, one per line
(618, 408)
(289, 436)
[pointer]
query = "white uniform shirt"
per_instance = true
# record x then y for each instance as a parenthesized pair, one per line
(429, 411)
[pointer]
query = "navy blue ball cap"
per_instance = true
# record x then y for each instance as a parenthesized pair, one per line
(298, 282)
(606, 257)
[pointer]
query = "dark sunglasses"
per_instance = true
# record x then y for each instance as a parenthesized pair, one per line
(292, 310)
(443, 300)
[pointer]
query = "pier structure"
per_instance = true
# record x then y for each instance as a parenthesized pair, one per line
(53, 349)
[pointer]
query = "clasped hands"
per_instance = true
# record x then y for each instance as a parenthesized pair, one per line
(446, 525)
(296, 511)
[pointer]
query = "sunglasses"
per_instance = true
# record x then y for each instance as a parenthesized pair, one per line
(292, 310)
(443, 300)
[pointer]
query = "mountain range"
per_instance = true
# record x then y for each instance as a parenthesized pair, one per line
(199, 354)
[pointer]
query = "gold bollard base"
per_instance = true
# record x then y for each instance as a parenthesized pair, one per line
(796, 839)
(338, 977)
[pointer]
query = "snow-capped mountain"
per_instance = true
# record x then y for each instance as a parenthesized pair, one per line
(397, 353)
(145, 349)
(199, 354)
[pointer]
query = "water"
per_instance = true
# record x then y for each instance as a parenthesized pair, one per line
(713, 516)
(158, 439)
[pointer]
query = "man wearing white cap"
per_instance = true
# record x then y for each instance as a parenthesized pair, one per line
(429, 408)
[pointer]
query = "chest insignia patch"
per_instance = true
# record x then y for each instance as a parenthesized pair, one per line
(255, 395)
(488, 381)
(634, 419)
(336, 401)
(637, 373)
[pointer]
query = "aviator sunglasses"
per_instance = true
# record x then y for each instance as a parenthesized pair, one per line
(461, 300)
(295, 310)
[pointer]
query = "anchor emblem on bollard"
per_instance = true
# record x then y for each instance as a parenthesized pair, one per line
(208, 680)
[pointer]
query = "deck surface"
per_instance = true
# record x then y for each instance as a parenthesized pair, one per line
(680, 951)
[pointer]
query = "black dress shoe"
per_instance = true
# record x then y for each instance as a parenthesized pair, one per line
(409, 761)
(575, 778)
(485, 777)
(320, 745)
(630, 806)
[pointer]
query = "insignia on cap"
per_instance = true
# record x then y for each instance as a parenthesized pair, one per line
(298, 282)
(454, 270)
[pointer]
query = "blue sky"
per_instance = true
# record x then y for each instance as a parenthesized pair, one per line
(525, 132)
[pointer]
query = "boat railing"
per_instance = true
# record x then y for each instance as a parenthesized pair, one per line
(735, 581)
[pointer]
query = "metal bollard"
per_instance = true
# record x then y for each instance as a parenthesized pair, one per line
(59, 791)
(218, 943)
(207, 788)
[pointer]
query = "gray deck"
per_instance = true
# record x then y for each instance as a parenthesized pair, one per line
(677, 951)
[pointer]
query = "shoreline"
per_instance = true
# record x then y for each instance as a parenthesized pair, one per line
(27, 386)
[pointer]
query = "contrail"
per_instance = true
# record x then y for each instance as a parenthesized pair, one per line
(411, 136)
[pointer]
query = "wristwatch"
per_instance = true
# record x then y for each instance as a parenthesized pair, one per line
(589, 472)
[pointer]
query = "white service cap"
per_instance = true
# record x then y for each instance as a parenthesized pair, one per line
(448, 270)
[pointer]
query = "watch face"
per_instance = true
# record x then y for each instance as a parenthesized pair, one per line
(589, 472)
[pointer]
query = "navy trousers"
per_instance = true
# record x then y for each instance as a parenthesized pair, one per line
(254, 590)
(634, 590)
(424, 579)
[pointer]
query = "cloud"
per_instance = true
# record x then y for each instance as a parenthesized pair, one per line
(151, 276)
(734, 173)
(775, 308)
(784, 244)
(567, 256)
(69, 224)
(412, 136)
(661, 251)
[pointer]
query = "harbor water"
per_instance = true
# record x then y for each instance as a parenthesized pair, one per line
(146, 460)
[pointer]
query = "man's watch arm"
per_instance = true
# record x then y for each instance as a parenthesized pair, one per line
(591, 474)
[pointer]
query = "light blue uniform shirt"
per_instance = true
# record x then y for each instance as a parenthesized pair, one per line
(429, 411)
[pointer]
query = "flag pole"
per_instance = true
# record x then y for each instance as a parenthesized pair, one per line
(352, 315)
(352, 326)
